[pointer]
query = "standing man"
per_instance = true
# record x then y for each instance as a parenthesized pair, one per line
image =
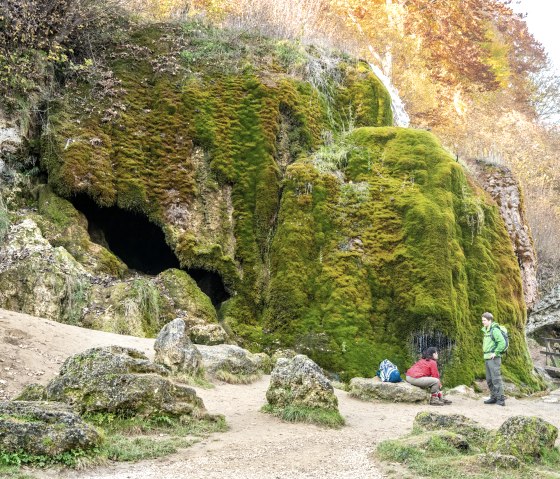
(493, 345)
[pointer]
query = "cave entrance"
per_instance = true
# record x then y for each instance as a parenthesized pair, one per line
(141, 245)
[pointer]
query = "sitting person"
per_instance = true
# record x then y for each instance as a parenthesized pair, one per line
(425, 374)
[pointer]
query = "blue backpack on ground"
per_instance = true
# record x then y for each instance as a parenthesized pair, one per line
(388, 372)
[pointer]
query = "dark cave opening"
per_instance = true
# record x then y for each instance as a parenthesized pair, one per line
(141, 245)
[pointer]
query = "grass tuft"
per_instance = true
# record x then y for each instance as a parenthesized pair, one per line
(320, 417)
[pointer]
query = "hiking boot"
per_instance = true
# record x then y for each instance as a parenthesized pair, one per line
(501, 402)
(435, 401)
(491, 401)
(446, 401)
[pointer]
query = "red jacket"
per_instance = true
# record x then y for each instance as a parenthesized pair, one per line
(424, 368)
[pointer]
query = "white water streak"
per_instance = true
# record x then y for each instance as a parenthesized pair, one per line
(400, 116)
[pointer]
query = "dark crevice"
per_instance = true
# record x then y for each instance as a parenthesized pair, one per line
(141, 245)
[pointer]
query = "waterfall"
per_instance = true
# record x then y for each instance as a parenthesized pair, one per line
(400, 116)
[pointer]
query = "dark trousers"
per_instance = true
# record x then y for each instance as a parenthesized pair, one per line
(494, 377)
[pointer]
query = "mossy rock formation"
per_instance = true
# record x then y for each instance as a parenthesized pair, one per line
(299, 382)
(337, 235)
(122, 381)
(43, 429)
(524, 437)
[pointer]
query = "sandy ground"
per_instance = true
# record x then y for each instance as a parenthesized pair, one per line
(256, 445)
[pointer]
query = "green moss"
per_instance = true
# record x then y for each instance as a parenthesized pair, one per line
(345, 253)
(63, 225)
(186, 295)
(389, 250)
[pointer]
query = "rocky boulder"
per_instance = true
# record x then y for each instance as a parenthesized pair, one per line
(201, 332)
(122, 381)
(43, 429)
(300, 382)
(457, 423)
(30, 268)
(375, 390)
(523, 436)
(231, 359)
(175, 350)
(546, 313)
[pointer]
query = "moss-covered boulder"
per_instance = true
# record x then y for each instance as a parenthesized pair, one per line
(371, 389)
(434, 439)
(299, 382)
(175, 350)
(186, 297)
(43, 429)
(121, 381)
(232, 363)
(496, 460)
(524, 437)
(457, 423)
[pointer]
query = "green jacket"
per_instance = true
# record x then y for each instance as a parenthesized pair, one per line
(489, 345)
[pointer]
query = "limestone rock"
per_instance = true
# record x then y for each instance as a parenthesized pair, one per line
(504, 188)
(43, 428)
(546, 313)
(464, 391)
(282, 353)
(38, 279)
(229, 358)
(175, 350)
(10, 137)
(201, 332)
(371, 389)
(493, 459)
(523, 436)
(185, 295)
(300, 382)
(123, 381)
(457, 423)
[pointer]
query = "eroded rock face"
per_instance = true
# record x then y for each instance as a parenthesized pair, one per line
(546, 312)
(369, 389)
(175, 350)
(43, 428)
(230, 358)
(10, 138)
(123, 381)
(38, 279)
(300, 382)
(500, 183)
(523, 436)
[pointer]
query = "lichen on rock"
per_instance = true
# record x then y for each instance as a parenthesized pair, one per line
(369, 389)
(299, 382)
(39, 428)
(524, 437)
(121, 381)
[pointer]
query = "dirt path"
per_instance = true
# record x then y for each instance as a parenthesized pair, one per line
(256, 445)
